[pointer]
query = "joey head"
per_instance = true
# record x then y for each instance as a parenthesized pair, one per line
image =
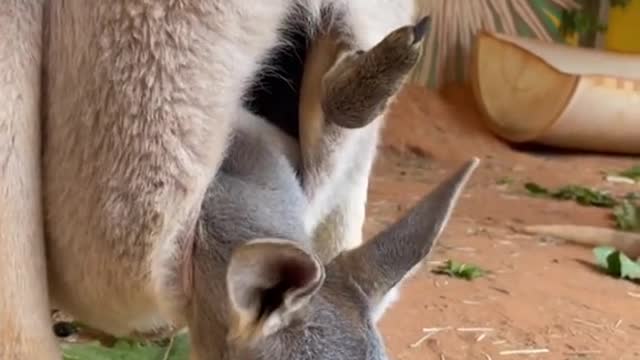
(257, 290)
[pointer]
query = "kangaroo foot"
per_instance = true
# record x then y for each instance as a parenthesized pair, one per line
(359, 86)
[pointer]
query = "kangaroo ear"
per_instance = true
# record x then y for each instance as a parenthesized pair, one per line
(382, 263)
(268, 280)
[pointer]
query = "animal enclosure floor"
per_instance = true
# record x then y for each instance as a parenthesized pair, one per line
(542, 297)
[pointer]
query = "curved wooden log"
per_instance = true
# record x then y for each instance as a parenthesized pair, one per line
(558, 95)
(592, 236)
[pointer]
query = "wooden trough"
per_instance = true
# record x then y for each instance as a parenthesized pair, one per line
(558, 95)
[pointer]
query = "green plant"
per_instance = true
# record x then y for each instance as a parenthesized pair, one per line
(580, 194)
(176, 349)
(616, 263)
(627, 216)
(460, 270)
(583, 22)
(577, 21)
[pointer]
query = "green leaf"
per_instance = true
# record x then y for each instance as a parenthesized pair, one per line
(616, 263)
(631, 173)
(629, 269)
(461, 270)
(535, 189)
(178, 349)
(602, 253)
(580, 194)
(579, 21)
(627, 215)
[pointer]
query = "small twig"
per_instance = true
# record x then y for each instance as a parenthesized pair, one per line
(634, 295)
(588, 323)
(524, 352)
(421, 340)
(436, 262)
(617, 325)
(436, 329)
(169, 348)
(500, 290)
(464, 249)
(487, 356)
(471, 302)
(475, 329)
(430, 332)
(583, 352)
(481, 337)
(619, 179)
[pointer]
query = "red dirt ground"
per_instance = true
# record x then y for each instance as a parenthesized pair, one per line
(541, 294)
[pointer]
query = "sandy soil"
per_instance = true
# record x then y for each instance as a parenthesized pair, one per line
(541, 293)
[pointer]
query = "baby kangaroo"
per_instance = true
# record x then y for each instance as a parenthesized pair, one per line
(258, 291)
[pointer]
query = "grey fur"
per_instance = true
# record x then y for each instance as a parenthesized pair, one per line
(257, 196)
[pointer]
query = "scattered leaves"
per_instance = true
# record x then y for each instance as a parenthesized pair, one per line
(627, 216)
(580, 194)
(616, 263)
(632, 196)
(461, 270)
(178, 349)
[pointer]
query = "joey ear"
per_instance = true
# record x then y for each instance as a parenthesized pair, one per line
(382, 263)
(268, 280)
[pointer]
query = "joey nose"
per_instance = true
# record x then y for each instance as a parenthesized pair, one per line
(64, 329)
(420, 29)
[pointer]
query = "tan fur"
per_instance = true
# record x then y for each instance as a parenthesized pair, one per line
(24, 306)
(137, 128)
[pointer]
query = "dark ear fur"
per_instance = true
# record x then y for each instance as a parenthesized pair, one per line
(268, 280)
(383, 262)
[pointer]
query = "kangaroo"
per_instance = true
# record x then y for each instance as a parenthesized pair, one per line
(276, 299)
(139, 101)
(25, 328)
(257, 201)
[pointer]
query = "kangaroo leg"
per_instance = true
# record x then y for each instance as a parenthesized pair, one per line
(141, 100)
(341, 228)
(344, 95)
(25, 326)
